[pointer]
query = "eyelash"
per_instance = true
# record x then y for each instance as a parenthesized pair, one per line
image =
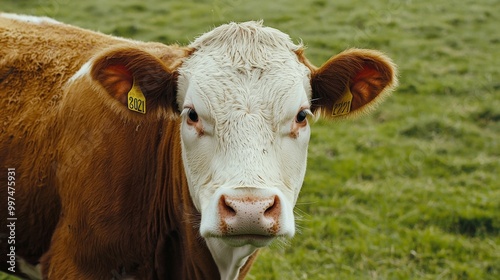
(302, 115)
(192, 115)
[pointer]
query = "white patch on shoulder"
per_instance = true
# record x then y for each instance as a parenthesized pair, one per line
(85, 69)
(30, 19)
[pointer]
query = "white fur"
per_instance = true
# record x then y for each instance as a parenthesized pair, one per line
(247, 85)
(84, 70)
(229, 260)
(30, 19)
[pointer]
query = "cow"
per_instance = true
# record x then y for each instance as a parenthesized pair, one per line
(151, 161)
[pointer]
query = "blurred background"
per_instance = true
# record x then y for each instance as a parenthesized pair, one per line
(411, 191)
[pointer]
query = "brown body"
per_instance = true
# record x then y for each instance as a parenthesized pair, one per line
(93, 181)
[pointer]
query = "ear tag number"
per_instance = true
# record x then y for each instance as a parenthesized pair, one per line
(136, 99)
(343, 106)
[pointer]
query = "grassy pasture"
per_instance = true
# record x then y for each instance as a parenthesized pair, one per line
(410, 192)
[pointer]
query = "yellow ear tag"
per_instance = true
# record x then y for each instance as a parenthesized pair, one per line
(136, 99)
(343, 106)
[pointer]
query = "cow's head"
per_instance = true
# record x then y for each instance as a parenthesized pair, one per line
(246, 94)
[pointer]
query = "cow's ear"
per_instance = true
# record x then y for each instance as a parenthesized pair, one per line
(127, 72)
(351, 83)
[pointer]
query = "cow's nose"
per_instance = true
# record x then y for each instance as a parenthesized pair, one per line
(249, 215)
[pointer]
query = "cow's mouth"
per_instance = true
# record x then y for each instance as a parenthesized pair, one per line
(256, 240)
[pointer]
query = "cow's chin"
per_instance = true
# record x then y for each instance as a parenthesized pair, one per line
(255, 240)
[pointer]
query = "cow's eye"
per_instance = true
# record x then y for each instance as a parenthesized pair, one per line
(192, 115)
(301, 116)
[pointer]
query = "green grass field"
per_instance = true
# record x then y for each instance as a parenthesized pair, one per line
(410, 192)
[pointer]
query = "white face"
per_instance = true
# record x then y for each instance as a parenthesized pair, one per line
(244, 98)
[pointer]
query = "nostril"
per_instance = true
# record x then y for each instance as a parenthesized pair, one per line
(274, 209)
(225, 209)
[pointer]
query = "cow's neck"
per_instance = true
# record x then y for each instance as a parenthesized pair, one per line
(180, 252)
(229, 260)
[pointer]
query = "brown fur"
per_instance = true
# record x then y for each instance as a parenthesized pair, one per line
(99, 189)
